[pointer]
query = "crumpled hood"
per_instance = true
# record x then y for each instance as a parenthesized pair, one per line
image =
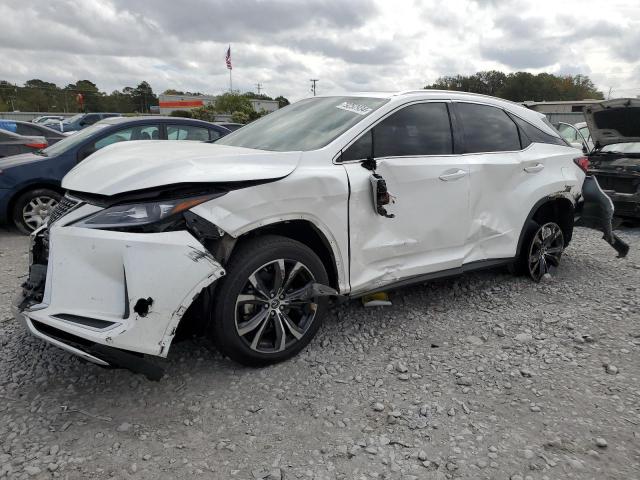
(21, 159)
(614, 121)
(137, 165)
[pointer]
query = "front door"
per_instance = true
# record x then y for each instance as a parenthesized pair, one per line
(413, 151)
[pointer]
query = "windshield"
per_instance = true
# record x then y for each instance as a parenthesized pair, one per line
(631, 147)
(73, 140)
(305, 125)
(74, 118)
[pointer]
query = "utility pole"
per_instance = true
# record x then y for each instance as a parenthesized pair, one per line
(313, 85)
(609, 94)
(258, 87)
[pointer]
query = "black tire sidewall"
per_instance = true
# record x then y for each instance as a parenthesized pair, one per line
(243, 263)
(24, 199)
(532, 230)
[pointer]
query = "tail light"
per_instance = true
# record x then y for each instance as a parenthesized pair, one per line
(37, 145)
(582, 162)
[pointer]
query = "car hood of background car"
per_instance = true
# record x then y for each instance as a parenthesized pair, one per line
(138, 165)
(614, 121)
(21, 159)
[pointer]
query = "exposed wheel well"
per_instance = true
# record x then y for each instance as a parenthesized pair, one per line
(26, 188)
(550, 209)
(304, 232)
(560, 210)
(198, 315)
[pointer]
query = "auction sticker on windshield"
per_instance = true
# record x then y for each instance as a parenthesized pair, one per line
(355, 108)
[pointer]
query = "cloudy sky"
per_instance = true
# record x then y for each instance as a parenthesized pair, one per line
(347, 44)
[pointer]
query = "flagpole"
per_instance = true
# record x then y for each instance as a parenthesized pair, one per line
(230, 82)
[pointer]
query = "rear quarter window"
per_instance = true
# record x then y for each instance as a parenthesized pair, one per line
(534, 134)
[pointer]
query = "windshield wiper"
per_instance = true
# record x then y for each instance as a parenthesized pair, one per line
(41, 152)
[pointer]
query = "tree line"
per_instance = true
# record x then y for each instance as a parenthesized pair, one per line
(40, 96)
(522, 86)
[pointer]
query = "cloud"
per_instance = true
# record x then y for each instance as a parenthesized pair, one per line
(348, 45)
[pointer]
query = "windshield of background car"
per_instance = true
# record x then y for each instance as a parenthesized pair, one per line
(73, 140)
(631, 147)
(305, 125)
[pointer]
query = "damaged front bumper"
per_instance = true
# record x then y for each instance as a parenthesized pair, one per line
(110, 296)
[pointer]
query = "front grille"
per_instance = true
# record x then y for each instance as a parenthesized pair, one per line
(618, 183)
(64, 206)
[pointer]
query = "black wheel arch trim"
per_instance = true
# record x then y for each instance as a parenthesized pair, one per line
(563, 195)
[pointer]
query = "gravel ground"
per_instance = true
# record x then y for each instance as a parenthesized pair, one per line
(483, 377)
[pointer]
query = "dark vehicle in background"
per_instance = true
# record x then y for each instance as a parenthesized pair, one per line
(615, 159)
(15, 144)
(30, 183)
(231, 125)
(80, 121)
(32, 129)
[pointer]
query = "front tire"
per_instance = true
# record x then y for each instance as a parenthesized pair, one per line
(31, 210)
(259, 315)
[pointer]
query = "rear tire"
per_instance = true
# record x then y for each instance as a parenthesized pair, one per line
(541, 250)
(31, 210)
(257, 319)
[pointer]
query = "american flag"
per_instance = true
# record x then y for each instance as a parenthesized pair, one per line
(228, 58)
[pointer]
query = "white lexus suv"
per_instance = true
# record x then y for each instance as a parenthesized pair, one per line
(332, 196)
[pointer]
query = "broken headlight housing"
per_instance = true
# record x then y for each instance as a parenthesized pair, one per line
(140, 215)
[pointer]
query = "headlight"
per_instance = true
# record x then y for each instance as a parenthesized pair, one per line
(131, 215)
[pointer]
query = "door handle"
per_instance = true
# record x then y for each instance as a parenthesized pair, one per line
(534, 169)
(448, 177)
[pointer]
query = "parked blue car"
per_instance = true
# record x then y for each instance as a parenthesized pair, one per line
(80, 121)
(30, 183)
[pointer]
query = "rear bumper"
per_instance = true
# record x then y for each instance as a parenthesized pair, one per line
(126, 292)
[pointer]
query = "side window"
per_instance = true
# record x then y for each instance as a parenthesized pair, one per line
(416, 130)
(90, 119)
(361, 149)
(187, 132)
(487, 129)
(421, 129)
(141, 132)
(214, 134)
(568, 133)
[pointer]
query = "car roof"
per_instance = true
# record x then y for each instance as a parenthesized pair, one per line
(428, 94)
(144, 118)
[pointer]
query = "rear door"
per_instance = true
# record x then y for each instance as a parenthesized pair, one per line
(414, 151)
(507, 174)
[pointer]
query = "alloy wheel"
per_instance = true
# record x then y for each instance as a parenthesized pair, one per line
(545, 250)
(37, 211)
(273, 310)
